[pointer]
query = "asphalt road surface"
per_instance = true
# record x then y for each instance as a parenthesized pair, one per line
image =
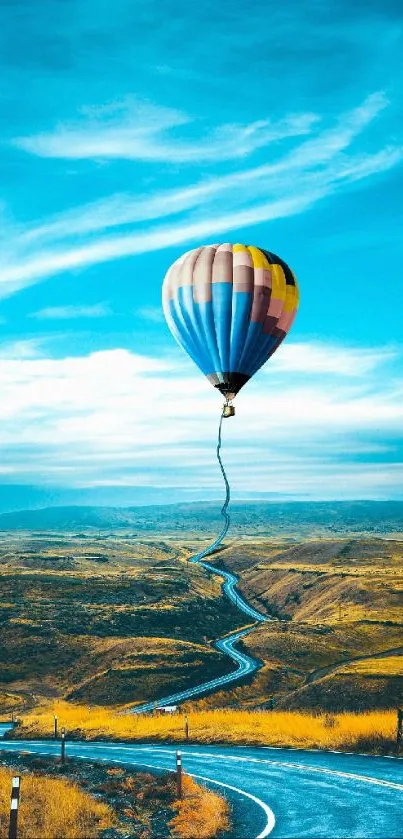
(229, 588)
(245, 664)
(284, 793)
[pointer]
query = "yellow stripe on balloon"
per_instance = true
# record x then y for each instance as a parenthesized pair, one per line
(278, 284)
(291, 299)
(259, 259)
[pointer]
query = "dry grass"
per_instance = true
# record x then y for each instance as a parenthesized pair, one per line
(310, 580)
(372, 730)
(201, 814)
(52, 808)
(102, 630)
(10, 702)
(391, 665)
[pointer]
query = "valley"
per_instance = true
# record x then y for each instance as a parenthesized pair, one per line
(117, 619)
(106, 621)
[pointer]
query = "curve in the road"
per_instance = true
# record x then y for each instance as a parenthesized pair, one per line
(245, 667)
(229, 588)
(245, 664)
(317, 795)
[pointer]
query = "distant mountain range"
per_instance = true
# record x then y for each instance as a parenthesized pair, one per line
(250, 518)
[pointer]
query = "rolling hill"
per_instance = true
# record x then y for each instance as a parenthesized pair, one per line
(104, 622)
(248, 518)
(338, 640)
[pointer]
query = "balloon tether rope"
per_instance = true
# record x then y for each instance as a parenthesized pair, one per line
(224, 508)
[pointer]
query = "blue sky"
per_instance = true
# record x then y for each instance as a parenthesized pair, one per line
(134, 131)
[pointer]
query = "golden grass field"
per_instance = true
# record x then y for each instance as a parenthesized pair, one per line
(373, 731)
(108, 621)
(201, 814)
(337, 599)
(104, 620)
(325, 580)
(380, 667)
(52, 808)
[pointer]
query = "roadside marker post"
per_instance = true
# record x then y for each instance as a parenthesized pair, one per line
(63, 746)
(179, 774)
(186, 728)
(55, 725)
(15, 800)
(399, 733)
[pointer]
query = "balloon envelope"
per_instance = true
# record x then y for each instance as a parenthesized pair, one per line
(230, 307)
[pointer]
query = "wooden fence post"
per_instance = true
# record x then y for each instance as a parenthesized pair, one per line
(399, 732)
(186, 728)
(55, 726)
(179, 774)
(63, 746)
(15, 800)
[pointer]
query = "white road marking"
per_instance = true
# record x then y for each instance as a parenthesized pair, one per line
(304, 768)
(271, 821)
(265, 807)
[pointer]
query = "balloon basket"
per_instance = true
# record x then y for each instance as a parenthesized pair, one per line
(228, 411)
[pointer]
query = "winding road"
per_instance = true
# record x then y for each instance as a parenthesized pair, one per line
(245, 664)
(229, 588)
(284, 793)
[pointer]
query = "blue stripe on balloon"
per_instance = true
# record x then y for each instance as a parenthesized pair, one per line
(241, 309)
(178, 327)
(256, 349)
(253, 338)
(184, 305)
(192, 316)
(205, 311)
(259, 357)
(222, 311)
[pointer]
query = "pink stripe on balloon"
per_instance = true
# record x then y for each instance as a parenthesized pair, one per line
(286, 320)
(222, 268)
(184, 270)
(243, 258)
(260, 305)
(276, 307)
(263, 277)
(202, 275)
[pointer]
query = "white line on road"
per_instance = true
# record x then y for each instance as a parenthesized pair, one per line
(303, 767)
(270, 823)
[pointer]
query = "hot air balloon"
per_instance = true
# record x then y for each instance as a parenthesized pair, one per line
(230, 307)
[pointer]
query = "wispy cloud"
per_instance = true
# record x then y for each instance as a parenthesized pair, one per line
(311, 159)
(98, 310)
(82, 418)
(150, 134)
(21, 349)
(319, 357)
(154, 314)
(114, 227)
